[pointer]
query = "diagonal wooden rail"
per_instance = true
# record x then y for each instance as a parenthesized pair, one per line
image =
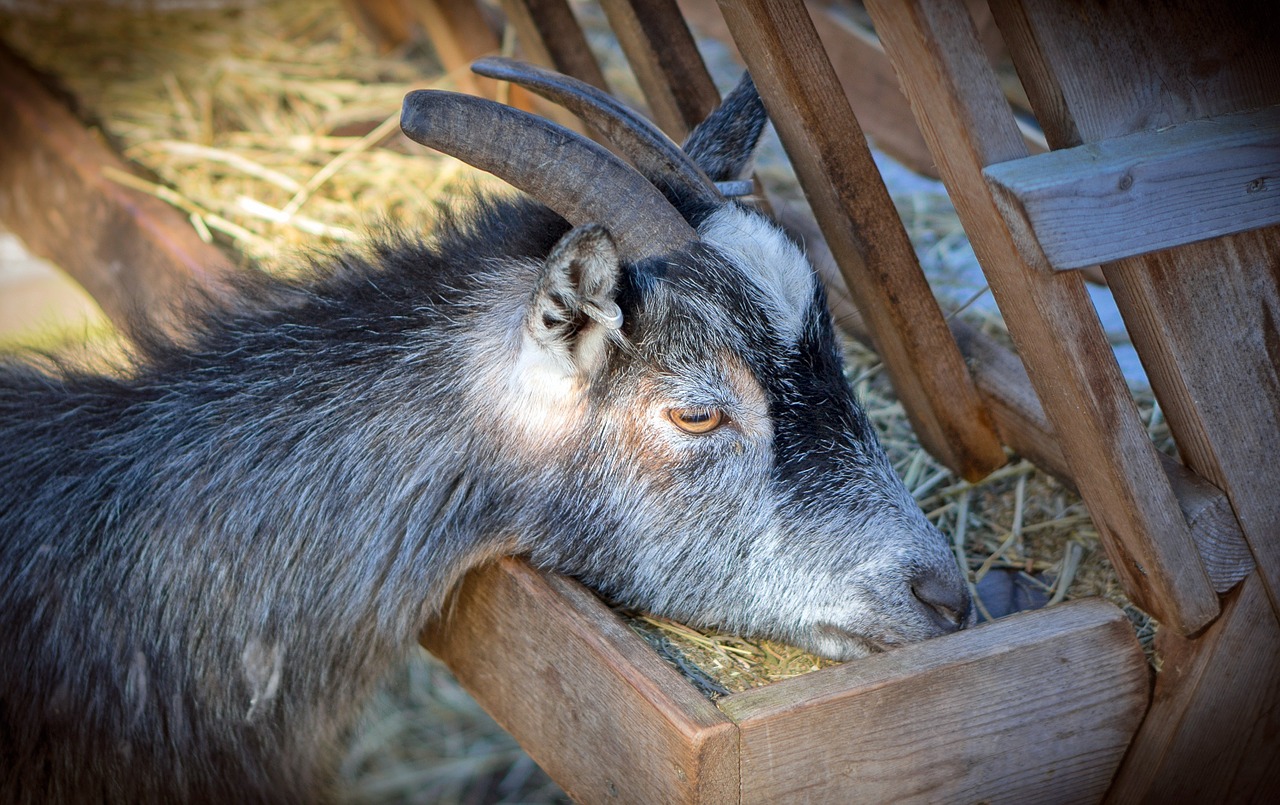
(834, 164)
(968, 125)
(1204, 315)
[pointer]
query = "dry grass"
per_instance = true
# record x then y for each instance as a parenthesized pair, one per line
(272, 128)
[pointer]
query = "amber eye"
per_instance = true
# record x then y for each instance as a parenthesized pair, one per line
(696, 420)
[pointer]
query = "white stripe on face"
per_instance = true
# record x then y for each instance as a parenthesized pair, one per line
(769, 260)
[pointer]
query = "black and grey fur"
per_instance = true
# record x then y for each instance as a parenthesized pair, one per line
(208, 561)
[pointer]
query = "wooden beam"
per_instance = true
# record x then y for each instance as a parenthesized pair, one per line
(849, 199)
(954, 720)
(133, 253)
(1211, 734)
(1203, 316)
(386, 23)
(665, 59)
(868, 82)
(460, 33)
(1020, 420)
(550, 35)
(598, 710)
(1145, 191)
(969, 126)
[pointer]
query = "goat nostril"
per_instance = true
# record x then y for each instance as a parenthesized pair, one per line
(945, 597)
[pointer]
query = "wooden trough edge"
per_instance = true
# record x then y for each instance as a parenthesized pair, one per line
(589, 700)
(609, 720)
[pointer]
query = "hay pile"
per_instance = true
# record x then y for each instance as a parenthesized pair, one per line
(273, 127)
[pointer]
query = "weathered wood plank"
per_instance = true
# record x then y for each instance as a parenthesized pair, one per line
(665, 59)
(550, 35)
(1144, 191)
(968, 125)
(133, 253)
(868, 81)
(460, 34)
(963, 718)
(1203, 317)
(589, 700)
(387, 23)
(1211, 734)
(861, 226)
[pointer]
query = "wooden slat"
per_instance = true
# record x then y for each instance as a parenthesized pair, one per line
(868, 81)
(1203, 317)
(460, 34)
(665, 60)
(970, 717)
(550, 35)
(1145, 191)
(589, 700)
(134, 254)
(387, 23)
(968, 125)
(1211, 734)
(861, 226)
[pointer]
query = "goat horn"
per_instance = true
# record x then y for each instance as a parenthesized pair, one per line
(639, 140)
(579, 179)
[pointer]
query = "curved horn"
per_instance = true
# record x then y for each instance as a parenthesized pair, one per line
(648, 148)
(577, 178)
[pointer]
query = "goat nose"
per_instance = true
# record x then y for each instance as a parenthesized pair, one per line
(947, 597)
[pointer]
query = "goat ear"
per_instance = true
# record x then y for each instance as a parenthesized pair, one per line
(574, 305)
(723, 145)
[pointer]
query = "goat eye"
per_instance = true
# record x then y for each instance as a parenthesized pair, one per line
(696, 420)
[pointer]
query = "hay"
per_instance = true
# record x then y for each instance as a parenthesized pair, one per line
(272, 128)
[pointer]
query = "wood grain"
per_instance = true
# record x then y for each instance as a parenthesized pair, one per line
(1211, 734)
(1145, 191)
(1038, 707)
(594, 706)
(868, 81)
(1203, 317)
(665, 59)
(134, 254)
(969, 126)
(549, 34)
(863, 230)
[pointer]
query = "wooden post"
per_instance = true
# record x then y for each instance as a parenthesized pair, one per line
(862, 228)
(968, 125)
(550, 35)
(666, 62)
(1202, 316)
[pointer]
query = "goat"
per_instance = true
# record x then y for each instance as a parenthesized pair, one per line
(208, 561)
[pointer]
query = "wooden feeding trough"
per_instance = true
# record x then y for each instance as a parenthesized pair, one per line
(1154, 113)
(969, 717)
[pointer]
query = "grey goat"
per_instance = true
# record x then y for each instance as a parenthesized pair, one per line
(209, 560)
